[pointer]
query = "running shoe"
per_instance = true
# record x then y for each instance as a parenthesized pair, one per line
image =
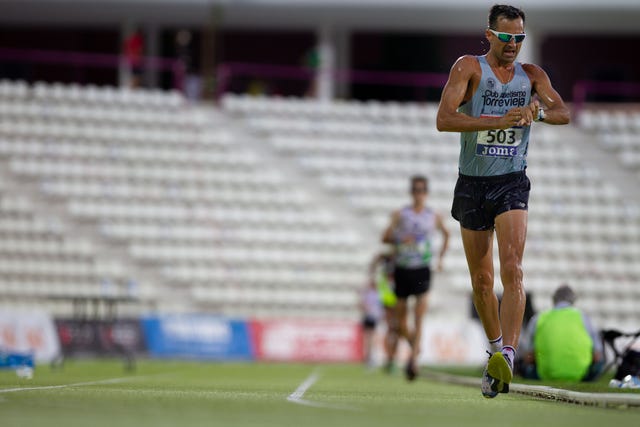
(500, 370)
(487, 383)
(411, 371)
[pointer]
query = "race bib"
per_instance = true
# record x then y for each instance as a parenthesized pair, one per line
(499, 142)
(414, 254)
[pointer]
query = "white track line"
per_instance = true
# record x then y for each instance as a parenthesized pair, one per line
(296, 396)
(53, 387)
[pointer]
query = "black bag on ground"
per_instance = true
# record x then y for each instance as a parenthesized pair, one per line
(630, 365)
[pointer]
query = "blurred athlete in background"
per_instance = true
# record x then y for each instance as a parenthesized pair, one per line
(411, 233)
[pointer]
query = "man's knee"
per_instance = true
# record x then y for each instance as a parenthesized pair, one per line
(482, 283)
(511, 274)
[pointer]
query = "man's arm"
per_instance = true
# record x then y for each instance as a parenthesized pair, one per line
(388, 235)
(556, 112)
(526, 340)
(450, 119)
(445, 241)
(598, 351)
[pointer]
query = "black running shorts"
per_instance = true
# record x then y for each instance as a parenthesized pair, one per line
(369, 322)
(411, 281)
(478, 200)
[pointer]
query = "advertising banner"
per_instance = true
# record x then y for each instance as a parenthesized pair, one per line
(199, 336)
(96, 337)
(307, 340)
(452, 342)
(445, 341)
(29, 332)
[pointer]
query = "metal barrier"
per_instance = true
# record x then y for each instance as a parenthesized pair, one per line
(230, 70)
(99, 60)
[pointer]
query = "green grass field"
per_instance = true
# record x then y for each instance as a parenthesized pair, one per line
(160, 393)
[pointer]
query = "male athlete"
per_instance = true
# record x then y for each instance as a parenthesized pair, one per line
(489, 99)
(411, 232)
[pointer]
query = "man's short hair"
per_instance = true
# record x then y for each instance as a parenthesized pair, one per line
(506, 11)
(564, 294)
(420, 179)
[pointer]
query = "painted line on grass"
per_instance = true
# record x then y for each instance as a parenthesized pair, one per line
(611, 400)
(298, 394)
(53, 387)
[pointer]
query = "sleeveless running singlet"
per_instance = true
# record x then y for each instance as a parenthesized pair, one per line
(420, 226)
(496, 151)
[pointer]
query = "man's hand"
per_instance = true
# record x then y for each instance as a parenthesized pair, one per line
(530, 112)
(521, 116)
(514, 117)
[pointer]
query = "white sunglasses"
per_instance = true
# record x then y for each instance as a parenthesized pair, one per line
(507, 37)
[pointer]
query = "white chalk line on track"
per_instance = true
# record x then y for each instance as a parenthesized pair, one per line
(298, 394)
(53, 387)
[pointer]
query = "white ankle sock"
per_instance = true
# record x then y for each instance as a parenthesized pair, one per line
(509, 353)
(496, 345)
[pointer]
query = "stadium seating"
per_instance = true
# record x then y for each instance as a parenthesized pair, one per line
(269, 206)
(617, 131)
(186, 200)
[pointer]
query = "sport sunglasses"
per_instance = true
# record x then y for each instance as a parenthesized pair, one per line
(507, 37)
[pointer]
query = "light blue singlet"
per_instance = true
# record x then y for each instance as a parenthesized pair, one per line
(497, 151)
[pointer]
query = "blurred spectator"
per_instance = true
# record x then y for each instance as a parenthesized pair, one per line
(311, 61)
(133, 48)
(185, 53)
(561, 343)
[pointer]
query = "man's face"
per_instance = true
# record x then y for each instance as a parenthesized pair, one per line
(506, 52)
(419, 192)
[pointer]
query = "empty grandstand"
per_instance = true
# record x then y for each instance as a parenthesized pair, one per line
(269, 206)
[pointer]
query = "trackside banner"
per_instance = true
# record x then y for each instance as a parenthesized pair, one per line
(197, 336)
(307, 340)
(29, 332)
(452, 342)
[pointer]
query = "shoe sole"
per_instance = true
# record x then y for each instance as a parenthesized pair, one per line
(490, 395)
(499, 369)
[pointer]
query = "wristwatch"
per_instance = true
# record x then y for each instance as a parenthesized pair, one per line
(541, 115)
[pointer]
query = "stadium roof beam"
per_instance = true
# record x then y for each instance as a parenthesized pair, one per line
(464, 16)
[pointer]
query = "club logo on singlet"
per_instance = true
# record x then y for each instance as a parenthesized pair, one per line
(508, 99)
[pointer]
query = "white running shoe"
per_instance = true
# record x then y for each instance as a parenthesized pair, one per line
(486, 386)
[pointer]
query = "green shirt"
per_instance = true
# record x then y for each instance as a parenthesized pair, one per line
(563, 347)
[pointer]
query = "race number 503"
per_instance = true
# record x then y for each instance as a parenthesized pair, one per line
(499, 142)
(501, 136)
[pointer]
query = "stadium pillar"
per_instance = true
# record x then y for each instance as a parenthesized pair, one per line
(326, 63)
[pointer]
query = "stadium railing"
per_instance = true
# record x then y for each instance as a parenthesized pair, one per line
(99, 60)
(226, 72)
(583, 88)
